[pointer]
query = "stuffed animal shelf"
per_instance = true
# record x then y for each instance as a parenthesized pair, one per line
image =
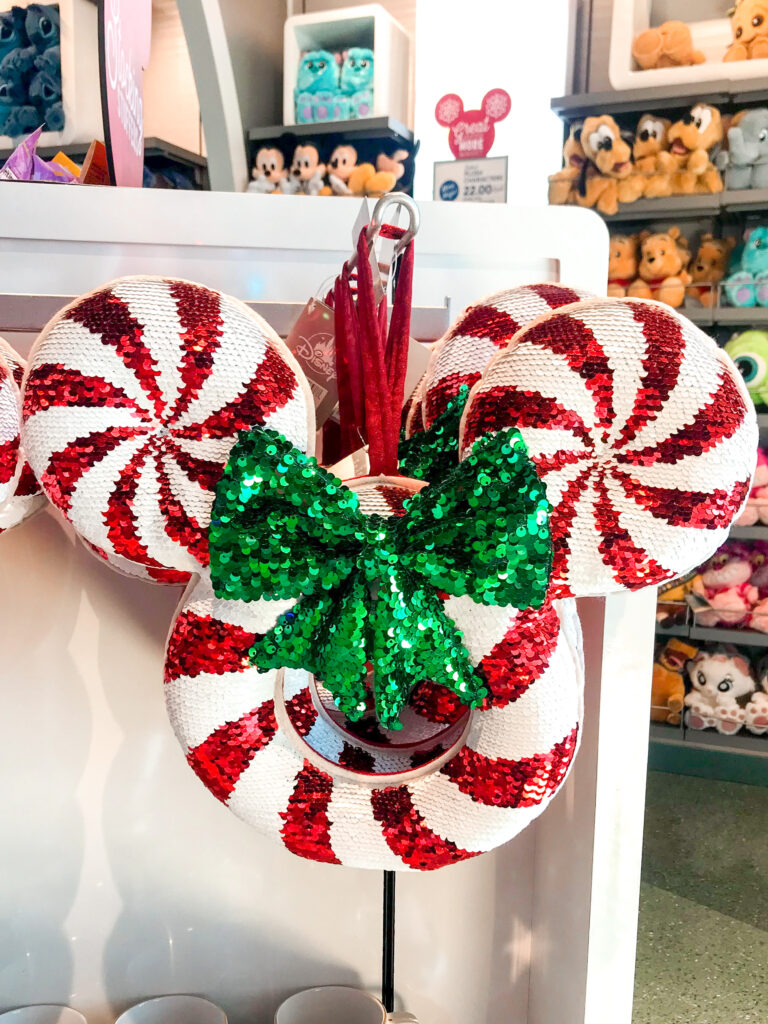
(747, 284)
(662, 271)
(708, 268)
(745, 162)
(668, 685)
(668, 46)
(749, 27)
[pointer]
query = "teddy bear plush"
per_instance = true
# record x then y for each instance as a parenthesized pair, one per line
(749, 350)
(662, 271)
(725, 585)
(563, 184)
(668, 46)
(622, 264)
(749, 28)
(268, 172)
(693, 142)
(668, 685)
(307, 173)
(651, 140)
(708, 268)
(747, 285)
(745, 162)
(609, 177)
(721, 686)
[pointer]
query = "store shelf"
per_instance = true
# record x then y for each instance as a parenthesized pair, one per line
(701, 315)
(762, 421)
(669, 208)
(152, 148)
(679, 630)
(665, 97)
(749, 532)
(363, 128)
(678, 735)
(744, 200)
(751, 316)
(745, 637)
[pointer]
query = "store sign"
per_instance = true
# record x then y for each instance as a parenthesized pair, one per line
(473, 181)
(125, 31)
(471, 133)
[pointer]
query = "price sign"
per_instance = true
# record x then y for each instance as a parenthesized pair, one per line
(474, 181)
(125, 30)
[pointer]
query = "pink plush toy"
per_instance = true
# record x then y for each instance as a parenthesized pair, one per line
(757, 709)
(759, 579)
(756, 509)
(725, 584)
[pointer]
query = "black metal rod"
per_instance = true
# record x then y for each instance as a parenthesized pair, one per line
(388, 943)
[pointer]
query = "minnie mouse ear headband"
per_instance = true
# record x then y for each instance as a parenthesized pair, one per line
(332, 613)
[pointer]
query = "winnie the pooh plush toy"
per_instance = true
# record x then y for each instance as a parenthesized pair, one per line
(662, 268)
(693, 142)
(749, 27)
(622, 264)
(708, 268)
(668, 46)
(668, 685)
(610, 177)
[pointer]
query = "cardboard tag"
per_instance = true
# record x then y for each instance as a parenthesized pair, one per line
(312, 341)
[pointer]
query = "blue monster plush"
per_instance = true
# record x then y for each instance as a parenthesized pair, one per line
(357, 81)
(748, 286)
(318, 75)
(13, 35)
(42, 25)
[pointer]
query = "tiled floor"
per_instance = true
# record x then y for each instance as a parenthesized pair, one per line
(702, 954)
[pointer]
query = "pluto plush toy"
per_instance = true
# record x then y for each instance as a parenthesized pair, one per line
(563, 184)
(693, 142)
(610, 177)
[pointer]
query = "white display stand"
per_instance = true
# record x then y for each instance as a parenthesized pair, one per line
(120, 876)
(368, 25)
(711, 37)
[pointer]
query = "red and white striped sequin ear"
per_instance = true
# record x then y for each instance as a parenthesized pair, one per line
(24, 496)
(451, 784)
(10, 408)
(134, 395)
(641, 429)
(480, 332)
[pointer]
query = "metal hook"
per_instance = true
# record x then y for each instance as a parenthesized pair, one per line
(377, 218)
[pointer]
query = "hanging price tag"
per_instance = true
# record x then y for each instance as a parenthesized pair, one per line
(311, 340)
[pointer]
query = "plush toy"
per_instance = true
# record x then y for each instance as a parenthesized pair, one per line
(393, 164)
(749, 351)
(756, 509)
(622, 264)
(662, 268)
(748, 285)
(757, 709)
(343, 161)
(758, 556)
(668, 46)
(650, 143)
(745, 162)
(317, 83)
(749, 27)
(672, 603)
(610, 177)
(562, 184)
(13, 33)
(365, 180)
(668, 686)
(722, 683)
(693, 141)
(725, 586)
(307, 173)
(269, 171)
(42, 26)
(356, 81)
(708, 268)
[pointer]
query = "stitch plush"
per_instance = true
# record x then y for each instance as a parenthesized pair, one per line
(317, 84)
(722, 683)
(609, 178)
(668, 46)
(749, 27)
(269, 171)
(748, 285)
(562, 184)
(692, 140)
(42, 26)
(13, 33)
(662, 268)
(668, 686)
(749, 350)
(356, 81)
(708, 268)
(745, 162)
(622, 264)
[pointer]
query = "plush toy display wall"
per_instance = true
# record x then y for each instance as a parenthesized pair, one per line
(384, 671)
(334, 86)
(30, 70)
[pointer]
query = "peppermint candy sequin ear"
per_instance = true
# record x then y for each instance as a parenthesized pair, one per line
(10, 405)
(134, 396)
(25, 498)
(641, 429)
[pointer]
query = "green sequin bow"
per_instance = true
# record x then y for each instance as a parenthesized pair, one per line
(370, 585)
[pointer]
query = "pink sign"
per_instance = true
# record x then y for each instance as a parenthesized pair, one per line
(125, 31)
(472, 132)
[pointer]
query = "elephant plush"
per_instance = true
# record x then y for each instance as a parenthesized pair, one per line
(746, 161)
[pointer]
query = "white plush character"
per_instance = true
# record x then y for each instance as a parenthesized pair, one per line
(269, 171)
(343, 161)
(757, 709)
(307, 172)
(721, 686)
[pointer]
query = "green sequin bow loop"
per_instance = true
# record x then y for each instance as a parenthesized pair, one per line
(370, 586)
